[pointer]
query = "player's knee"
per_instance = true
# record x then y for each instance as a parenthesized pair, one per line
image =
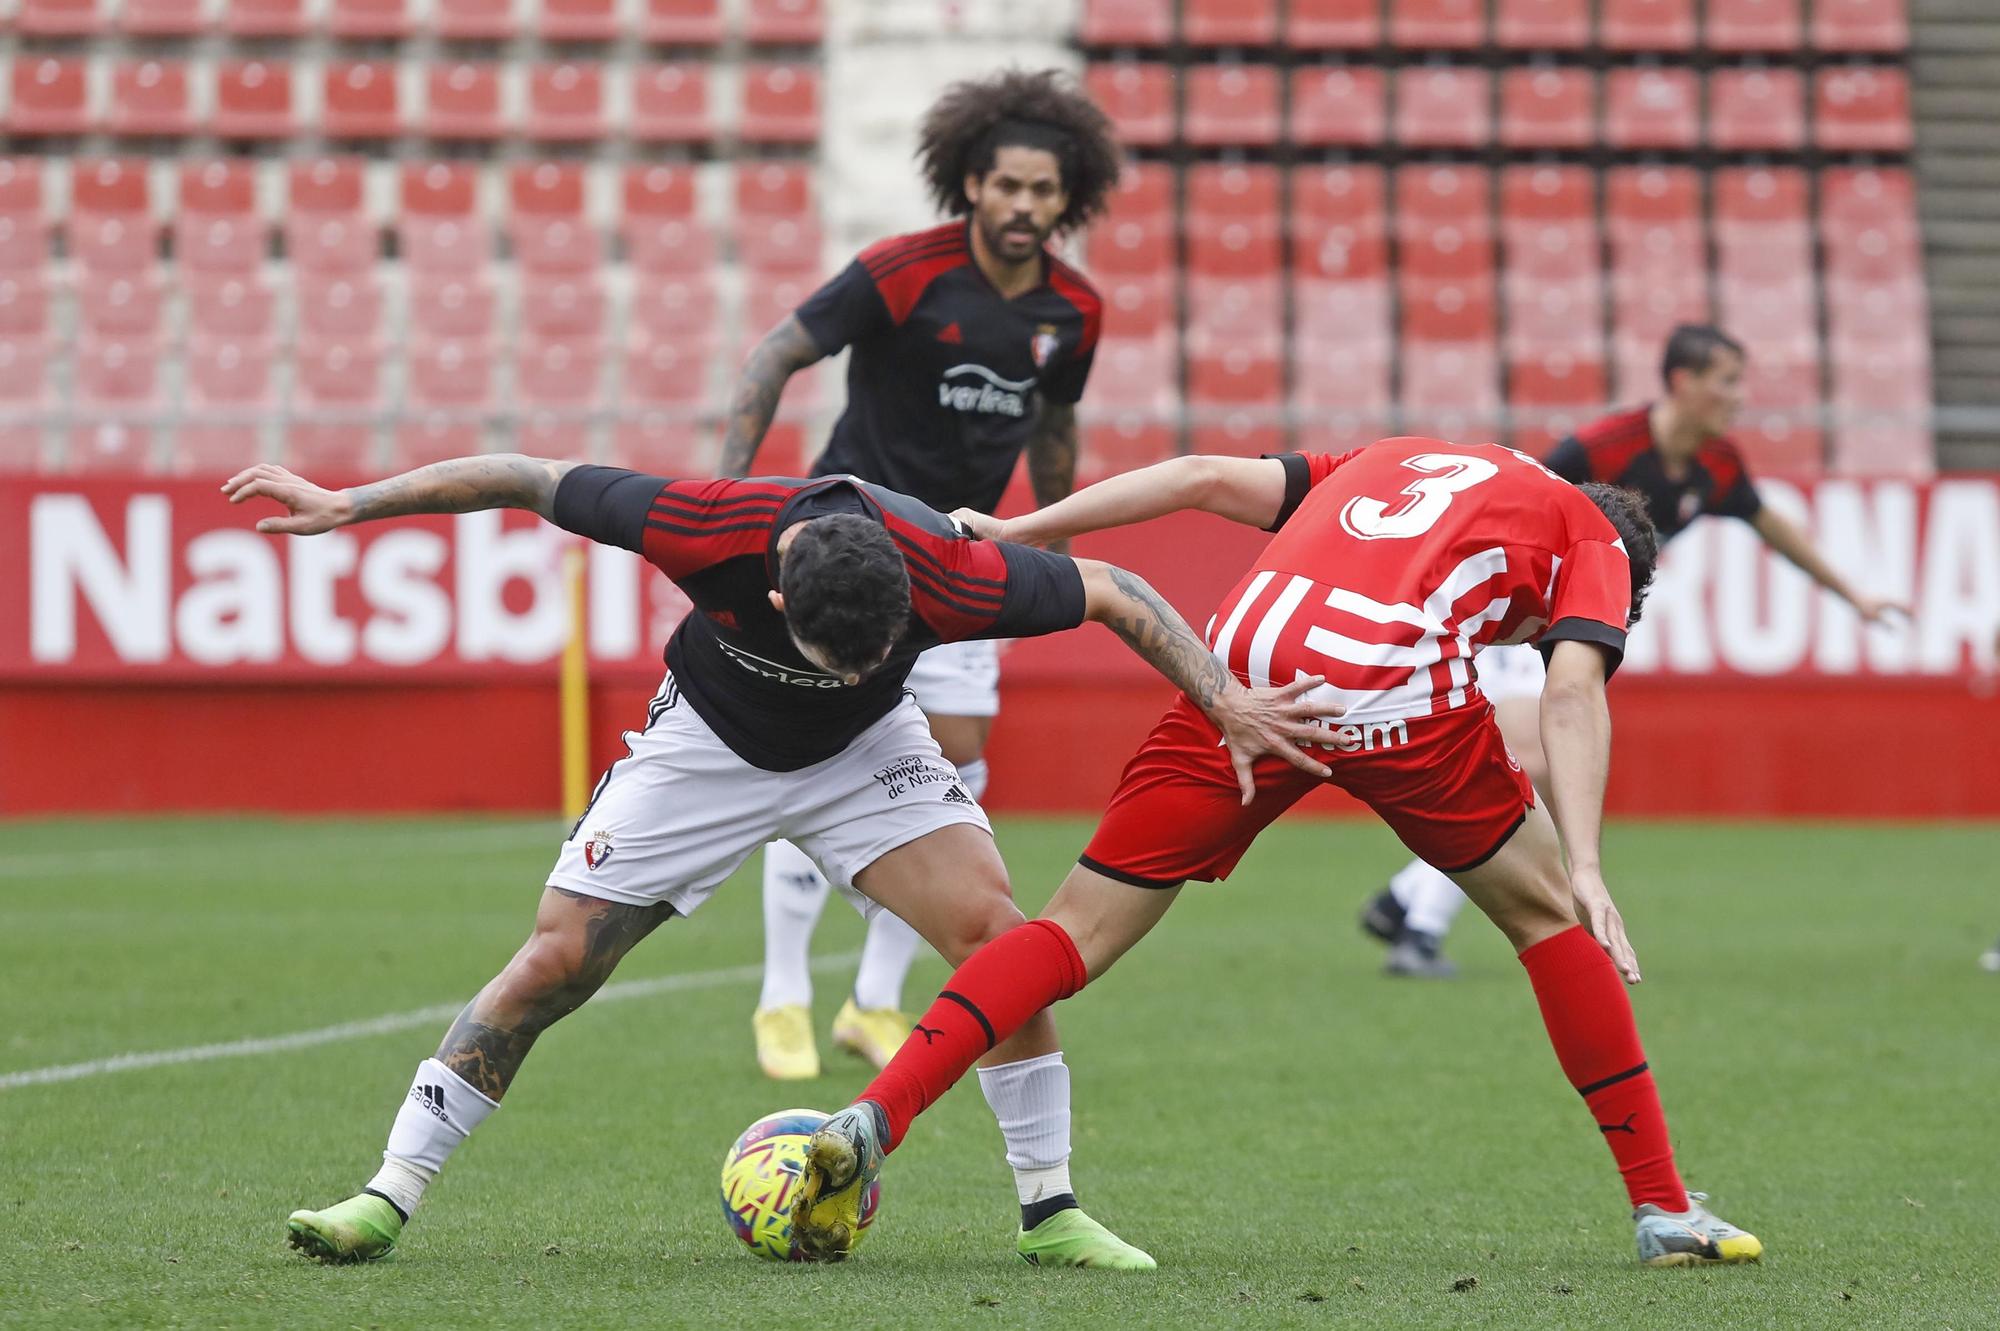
(551, 972)
(992, 913)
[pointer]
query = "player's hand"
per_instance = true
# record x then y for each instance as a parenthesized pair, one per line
(1277, 722)
(983, 525)
(1881, 610)
(1606, 925)
(310, 509)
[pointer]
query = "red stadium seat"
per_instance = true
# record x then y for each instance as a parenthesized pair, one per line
(780, 103)
(1247, 312)
(440, 226)
(1542, 25)
(565, 306)
(253, 100)
(149, 98)
(369, 20)
(1137, 246)
(1646, 25)
(1344, 314)
(1145, 191)
(57, 18)
(576, 20)
(359, 99)
(1652, 109)
(1862, 109)
(451, 383)
(1134, 306)
(1428, 196)
(325, 228)
(114, 375)
(338, 383)
(768, 298)
(559, 372)
(670, 103)
(666, 443)
(1337, 226)
(119, 304)
(462, 101)
(216, 226)
(1229, 22)
(163, 18)
(669, 371)
(232, 306)
(1451, 390)
(565, 102)
(1777, 444)
(1219, 191)
(784, 23)
(1450, 309)
(780, 244)
(1548, 107)
(1139, 98)
(682, 22)
(112, 228)
(1338, 106)
(454, 307)
(1333, 25)
(1854, 200)
(228, 386)
(1556, 311)
(774, 189)
(658, 191)
(1756, 110)
(1754, 25)
(1127, 23)
(1759, 197)
(1240, 434)
(1232, 105)
(660, 231)
(1547, 195)
(676, 305)
(1121, 444)
(474, 20)
(1550, 395)
(1444, 106)
(547, 224)
(1136, 375)
(1342, 375)
(24, 305)
(340, 307)
(1860, 25)
(49, 95)
(24, 387)
(1427, 24)
(264, 18)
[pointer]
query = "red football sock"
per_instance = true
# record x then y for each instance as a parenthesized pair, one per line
(986, 1000)
(1590, 1023)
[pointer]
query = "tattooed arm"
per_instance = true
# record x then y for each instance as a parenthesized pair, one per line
(461, 485)
(785, 351)
(1052, 453)
(1254, 722)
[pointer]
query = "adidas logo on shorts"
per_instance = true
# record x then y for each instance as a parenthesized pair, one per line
(957, 795)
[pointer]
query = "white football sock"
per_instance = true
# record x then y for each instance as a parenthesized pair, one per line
(440, 1111)
(794, 893)
(1430, 900)
(886, 955)
(974, 775)
(1030, 1099)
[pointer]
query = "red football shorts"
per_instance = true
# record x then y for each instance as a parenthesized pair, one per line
(1444, 783)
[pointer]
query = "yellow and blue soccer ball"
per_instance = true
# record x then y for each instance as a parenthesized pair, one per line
(759, 1176)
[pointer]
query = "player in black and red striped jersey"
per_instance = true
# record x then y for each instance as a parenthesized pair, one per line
(783, 714)
(1677, 454)
(969, 345)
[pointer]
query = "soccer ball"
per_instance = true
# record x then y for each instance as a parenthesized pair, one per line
(759, 1174)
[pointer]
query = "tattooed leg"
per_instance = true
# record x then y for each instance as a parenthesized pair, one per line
(578, 941)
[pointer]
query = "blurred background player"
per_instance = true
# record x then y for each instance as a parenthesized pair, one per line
(1677, 454)
(970, 345)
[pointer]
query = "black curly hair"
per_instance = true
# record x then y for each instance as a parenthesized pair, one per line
(1627, 511)
(1045, 109)
(846, 589)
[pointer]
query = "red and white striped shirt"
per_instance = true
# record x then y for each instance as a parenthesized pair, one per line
(1396, 563)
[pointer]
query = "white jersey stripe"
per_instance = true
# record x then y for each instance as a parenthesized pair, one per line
(1227, 637)
(1266, 640)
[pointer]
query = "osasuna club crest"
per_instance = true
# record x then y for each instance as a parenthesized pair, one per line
(1045, 344)
(597, 850)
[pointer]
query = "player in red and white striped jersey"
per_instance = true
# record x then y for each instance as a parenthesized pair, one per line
(1393, 567)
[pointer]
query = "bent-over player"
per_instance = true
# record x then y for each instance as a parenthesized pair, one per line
(783, 714)
(1393, 566)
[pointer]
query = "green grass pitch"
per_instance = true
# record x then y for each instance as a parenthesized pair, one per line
(1300, 1141)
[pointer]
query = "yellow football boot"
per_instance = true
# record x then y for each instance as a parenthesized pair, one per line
(785, 1048)
(874, 1033)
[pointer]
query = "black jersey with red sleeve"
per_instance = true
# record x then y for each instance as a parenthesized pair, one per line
(946, 376)
(1619, 450)
(732, 656)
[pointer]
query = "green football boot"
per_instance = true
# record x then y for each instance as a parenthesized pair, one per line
(1071, 1238)
(360, 1229)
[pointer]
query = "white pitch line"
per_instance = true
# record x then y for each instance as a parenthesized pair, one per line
(394, 1021)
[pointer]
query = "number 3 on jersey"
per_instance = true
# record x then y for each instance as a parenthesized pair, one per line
(1444, 475)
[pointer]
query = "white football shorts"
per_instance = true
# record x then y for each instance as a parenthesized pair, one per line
(681, 811)
(1511, 672)
(958, 679)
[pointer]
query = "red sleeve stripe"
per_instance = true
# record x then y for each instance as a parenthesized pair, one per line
(703, 531)
(969, 599)
(915, 549)
(674, 506)
(1072, 286)
(903, 288)
(902, 260)
(885, 252)
(1724, 464)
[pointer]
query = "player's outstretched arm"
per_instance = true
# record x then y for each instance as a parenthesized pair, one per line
(1576, 736)
(1254, 722)
(460, 485)
(1782, 534)
(1246, 490)
(785, 351)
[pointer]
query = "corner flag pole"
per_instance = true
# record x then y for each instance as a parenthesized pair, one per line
(573, 690)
